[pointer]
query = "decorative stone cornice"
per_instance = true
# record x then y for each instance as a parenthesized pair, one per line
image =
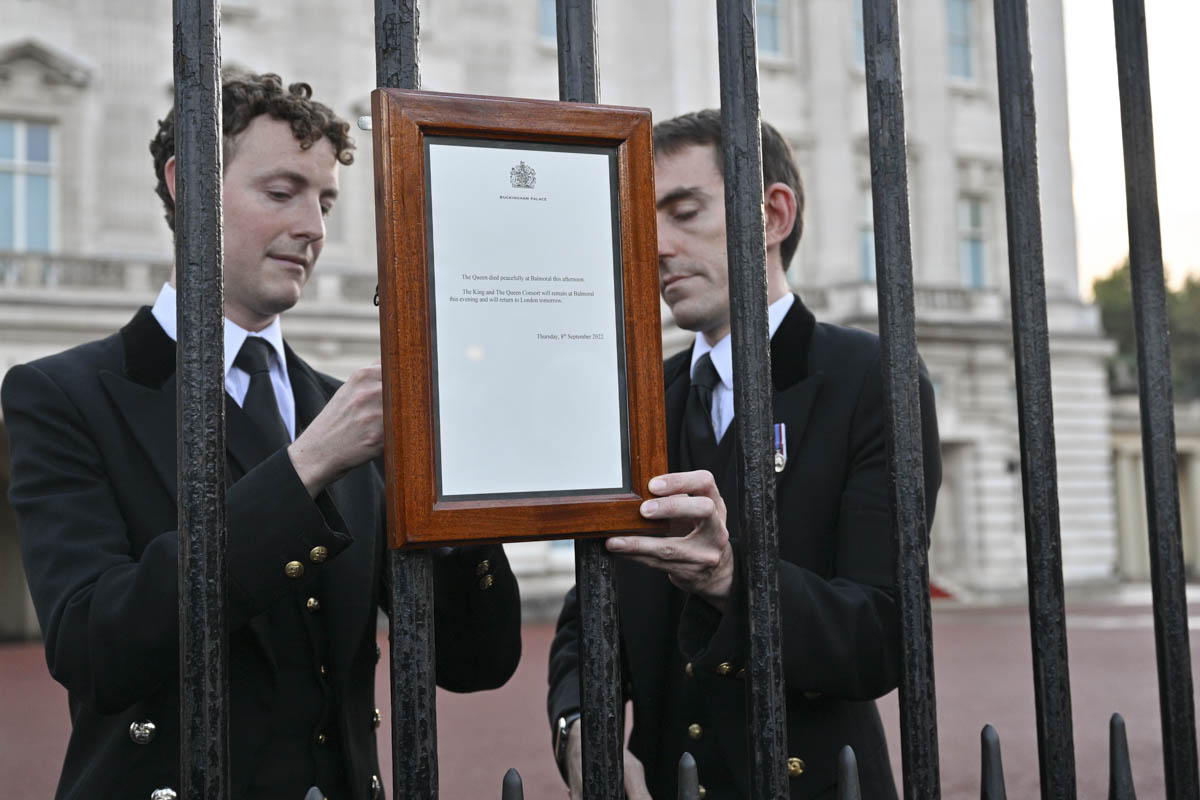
(57, 67)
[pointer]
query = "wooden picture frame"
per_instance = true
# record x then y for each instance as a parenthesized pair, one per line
(456, 474)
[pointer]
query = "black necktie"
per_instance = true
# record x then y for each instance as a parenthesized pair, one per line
(260, 403)
(697, 415)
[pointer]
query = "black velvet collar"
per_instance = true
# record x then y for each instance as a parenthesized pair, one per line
(149, 352)
(789, 350)
(789, 346)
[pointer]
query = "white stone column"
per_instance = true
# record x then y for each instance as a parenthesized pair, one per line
(1133, 545)
(1054, 156)
(832, 216)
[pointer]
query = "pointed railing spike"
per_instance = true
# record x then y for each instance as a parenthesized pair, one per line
(1120, 775)
(991, 770)
(512, 788)
(689, 779)
(847, 788)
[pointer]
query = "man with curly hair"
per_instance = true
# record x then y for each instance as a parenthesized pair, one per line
(93, 449)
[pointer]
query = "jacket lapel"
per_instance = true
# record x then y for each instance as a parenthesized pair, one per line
(795, 393)
(150, 417)
(244, 442)
(144, 394)
(796, 390)
(678, 382)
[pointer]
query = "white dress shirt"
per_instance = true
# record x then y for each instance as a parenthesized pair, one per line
(721, 354)
(237, 380)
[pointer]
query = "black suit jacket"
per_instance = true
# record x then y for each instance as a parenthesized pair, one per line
(840, 621)
(93, 448)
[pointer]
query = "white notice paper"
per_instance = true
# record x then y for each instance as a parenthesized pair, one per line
(528, 375)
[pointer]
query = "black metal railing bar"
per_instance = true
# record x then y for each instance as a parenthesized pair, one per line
(1120, 775)
(688, 786)
(412, 654)
(203, 624)
(848, 786)
(1031, 346)
(991, 766)
(741, 141)
(602, 724)
(893, 259)
(1154, 390)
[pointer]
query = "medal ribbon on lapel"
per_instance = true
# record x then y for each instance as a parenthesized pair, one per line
(780, 446)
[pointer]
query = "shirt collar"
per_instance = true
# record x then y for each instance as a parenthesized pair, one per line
(722, 352)
(164, 311)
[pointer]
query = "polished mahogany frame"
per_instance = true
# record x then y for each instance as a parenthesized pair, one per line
(401, 120)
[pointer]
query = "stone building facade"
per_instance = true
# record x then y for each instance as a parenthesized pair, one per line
(82, 84)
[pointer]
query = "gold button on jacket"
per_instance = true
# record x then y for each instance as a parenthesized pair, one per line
(378, 720)
(795, 767)
(483, 568)
(318, 554)
(293, 569)
(695, 731)
(687, 668)
(313, 604)
(724, 668)
(486, 582)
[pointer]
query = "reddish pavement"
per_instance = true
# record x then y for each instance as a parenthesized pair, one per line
(982, 666)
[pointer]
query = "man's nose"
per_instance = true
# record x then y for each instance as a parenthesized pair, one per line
(666, 241)
(309, 222)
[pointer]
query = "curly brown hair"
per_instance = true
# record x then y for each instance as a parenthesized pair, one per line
(244, 97)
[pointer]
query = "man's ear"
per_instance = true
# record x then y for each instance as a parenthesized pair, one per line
(779, 207)
(169, 176)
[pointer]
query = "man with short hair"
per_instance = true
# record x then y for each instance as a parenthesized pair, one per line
(680, 598)
(93, 447)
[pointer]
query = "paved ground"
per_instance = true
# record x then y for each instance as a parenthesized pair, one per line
(982, 666)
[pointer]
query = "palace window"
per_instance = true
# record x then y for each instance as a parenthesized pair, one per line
(547, 21)
(866, 236)
(770, 27)
(857, 45)
(972, 242)
(960, 31)
(26, 185)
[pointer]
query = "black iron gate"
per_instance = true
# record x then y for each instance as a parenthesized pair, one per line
(204, 670)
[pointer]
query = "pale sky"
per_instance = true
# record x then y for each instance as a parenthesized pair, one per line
(1095, 119)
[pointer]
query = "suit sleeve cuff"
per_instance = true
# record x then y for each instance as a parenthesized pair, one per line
(279, 546)
(711, 640)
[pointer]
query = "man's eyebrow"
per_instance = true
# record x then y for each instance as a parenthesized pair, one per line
(295, 177)
(682, 193)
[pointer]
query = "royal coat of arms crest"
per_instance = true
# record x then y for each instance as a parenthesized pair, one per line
(523, 176)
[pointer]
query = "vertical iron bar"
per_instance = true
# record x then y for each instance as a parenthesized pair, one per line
(603, 708)
(1120, 776)
(893, 260)
(578, 79)
(1035, 408)
(200, 404)
(1177, 707)
(741, 135)
(991, 767)
(848, 786)
(512, 788)
(688, 784)
(413, 678)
